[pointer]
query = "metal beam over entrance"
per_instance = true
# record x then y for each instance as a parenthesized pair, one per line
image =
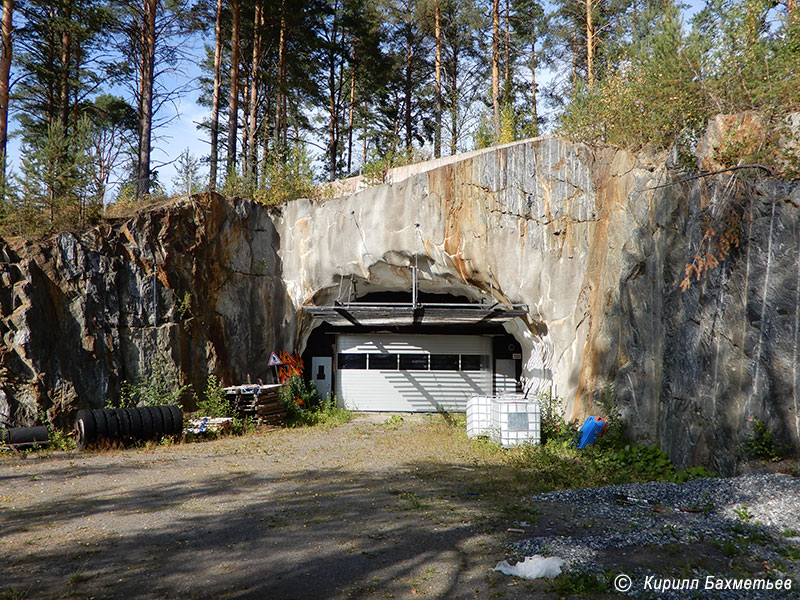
(380, 314)
(398, 314)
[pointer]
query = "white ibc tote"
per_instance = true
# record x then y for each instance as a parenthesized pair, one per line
(508, 420)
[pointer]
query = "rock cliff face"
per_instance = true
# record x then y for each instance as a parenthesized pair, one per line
(191, 287)
(596, 242)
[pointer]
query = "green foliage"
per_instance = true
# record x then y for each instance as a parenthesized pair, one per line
(394, 422)
(557, 463)
(187, 174)
(484, 134)
(762, 444)
(580, 583)
(378, 165)
(59, 439)
(790, 552)
(631, 463)
(288, 177)
(243, 425)
(649, 100)
(743, 513)
(184, 306)
(671, 81)
(691, 473)
(508, 124)
(214, 403)
(159, 386)
(55, 188)
(304, 407)
(553, 466)
(554, 430)
(297, 396)
(414, 503)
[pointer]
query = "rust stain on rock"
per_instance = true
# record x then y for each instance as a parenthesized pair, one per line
(594, 355)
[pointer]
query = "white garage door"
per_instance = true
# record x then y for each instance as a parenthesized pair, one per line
(421, 373)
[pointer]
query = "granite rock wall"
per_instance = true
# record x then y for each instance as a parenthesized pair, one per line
(595, 241)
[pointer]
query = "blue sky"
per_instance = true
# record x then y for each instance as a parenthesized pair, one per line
(181, 133)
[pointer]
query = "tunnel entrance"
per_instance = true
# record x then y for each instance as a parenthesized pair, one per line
(413, 351)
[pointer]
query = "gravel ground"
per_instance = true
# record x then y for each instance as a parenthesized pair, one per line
(372, 509)
(756, 515)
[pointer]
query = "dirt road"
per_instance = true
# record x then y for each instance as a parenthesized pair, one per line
(365, 510)
(376, 508)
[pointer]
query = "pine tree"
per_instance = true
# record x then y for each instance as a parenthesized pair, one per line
(187, 178)
(149, 35)
(6, 52)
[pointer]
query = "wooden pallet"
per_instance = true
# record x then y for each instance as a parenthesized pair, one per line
(261, 402)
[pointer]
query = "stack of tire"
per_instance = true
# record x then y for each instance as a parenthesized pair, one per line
(138, 423)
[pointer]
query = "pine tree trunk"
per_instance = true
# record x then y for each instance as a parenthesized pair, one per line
(66, 43)
(437, 135)
(265, 162)
(255, 89)
(333, 123)
(590, 42)
(408, 93)
(6, 52)
(534, 112)
(454, 108)
(233, 101)
(244, 104)
(258, 20)
(507, 43)
(50, 93)
(350, 117)
(496, 67)
(363, 144)
(146, 96)
(574, 58)
(279, 117)
(76, 108)
(213, 159)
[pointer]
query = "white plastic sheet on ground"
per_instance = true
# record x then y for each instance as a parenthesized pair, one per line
(533, 567)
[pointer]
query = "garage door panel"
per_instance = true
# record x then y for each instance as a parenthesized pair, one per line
(430, 344)
(412, 390)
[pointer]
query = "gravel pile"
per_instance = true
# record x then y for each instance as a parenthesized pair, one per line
(765, 508)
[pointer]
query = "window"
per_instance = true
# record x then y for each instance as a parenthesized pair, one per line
(382, 362)
(444, 362)
(471, 362)
(351, 361)
(414, 362)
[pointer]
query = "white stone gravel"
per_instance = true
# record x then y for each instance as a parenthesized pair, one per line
(660, 513)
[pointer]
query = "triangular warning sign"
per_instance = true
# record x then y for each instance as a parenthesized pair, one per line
(274, 361)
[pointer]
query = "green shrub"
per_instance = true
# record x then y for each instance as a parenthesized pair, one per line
(298, 396)
(161, 386)
(631, 463)
(581, 583)
(288, 176)
(557, 462)
(553, 466)
(553, 427)
(243, 425)
(214, 403)
(59, 439)
(690, 473)
(304, 407)
(762, 444)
